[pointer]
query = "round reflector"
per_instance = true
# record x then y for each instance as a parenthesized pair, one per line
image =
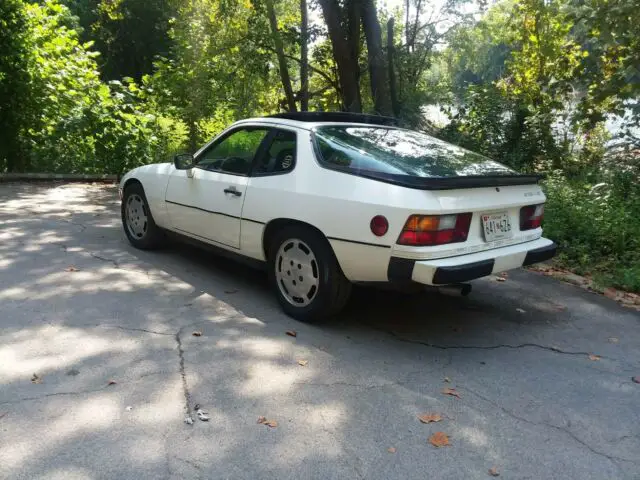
(379, 225)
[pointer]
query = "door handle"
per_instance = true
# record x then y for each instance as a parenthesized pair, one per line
(233, 191)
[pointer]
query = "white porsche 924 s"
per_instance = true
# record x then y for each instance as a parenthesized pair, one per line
(324, 200)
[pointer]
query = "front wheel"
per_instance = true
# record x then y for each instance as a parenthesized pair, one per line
(305, 275)
(137, 220)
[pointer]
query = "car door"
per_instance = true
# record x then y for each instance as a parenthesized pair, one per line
(206, 202)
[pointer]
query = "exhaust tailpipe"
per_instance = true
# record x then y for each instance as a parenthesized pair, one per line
(457, 290)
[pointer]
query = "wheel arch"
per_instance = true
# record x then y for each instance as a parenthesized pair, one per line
(131, 181)
(274, 225)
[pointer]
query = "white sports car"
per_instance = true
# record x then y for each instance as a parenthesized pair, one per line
(324, 200)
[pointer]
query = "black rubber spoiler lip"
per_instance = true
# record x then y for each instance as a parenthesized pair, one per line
(444, 183)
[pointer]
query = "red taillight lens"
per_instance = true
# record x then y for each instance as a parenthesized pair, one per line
(379, 225)
(531, 216)
(424, 230)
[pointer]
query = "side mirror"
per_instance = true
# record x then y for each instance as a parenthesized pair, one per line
(183, 161)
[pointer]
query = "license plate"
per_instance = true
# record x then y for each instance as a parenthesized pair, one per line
(496, 226)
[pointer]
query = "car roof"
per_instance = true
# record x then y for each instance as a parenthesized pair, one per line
(310, 120)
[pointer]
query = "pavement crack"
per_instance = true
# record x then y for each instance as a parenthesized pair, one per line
(46, 395)
(343, 384)
(486, 347)
(119, 327)
(104, 259)
(183, 375)
(612, 458)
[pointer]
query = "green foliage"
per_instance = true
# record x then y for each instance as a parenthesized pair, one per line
(596, 227)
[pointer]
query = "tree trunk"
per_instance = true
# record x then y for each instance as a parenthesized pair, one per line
(342, 45)
(304, 57)
(377, 68)
(282, 61)
(392, 74)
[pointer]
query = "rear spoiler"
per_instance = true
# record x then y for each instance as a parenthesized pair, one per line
(444, 183)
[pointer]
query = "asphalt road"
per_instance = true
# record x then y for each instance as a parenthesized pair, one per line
(532, 402)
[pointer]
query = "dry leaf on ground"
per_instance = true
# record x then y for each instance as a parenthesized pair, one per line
(439, 439)
(71, 268)
(3, 414)
(594, 357)
(291, 333)
(262, 419)
(303, 363)
(493, 471)
(36, 379)
(501, 279)
(504, 275)
(271, 423)
(447, 379)
(520, 310)
(391, 450)
(429, 417)
(112, 382)
(636, 379)
(197, 333)
(451, 391)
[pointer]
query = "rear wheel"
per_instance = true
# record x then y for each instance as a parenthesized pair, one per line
(137, 220)
(305, 275)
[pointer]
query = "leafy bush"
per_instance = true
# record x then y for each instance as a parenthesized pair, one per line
(597, 227)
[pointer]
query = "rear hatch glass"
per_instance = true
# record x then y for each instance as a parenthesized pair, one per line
(412, 159)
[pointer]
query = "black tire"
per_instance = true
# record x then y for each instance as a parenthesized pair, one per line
(153, 236)
(333, 289)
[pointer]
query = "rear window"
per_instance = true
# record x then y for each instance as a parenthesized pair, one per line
(395, 151)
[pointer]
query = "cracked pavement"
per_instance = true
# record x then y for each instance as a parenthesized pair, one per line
(532, 401)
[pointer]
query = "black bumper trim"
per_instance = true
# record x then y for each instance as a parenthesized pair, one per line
(540, 254)
(462, 273)
(400, 269)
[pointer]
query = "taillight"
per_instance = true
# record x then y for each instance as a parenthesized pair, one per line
(531, 216)
(424, 230)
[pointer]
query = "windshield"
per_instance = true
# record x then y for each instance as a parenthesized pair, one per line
(400, 152)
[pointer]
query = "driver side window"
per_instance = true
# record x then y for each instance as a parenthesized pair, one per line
(235, 153)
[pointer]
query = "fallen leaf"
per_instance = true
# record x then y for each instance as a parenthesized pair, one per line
(429, 417)
(197, 333)
(493, 471)
(439, 439)
(447, 379)
(501, 279)
(71, 268)
(594, 357)
(613, 340)
(519, 310)
(504, 275)
(271, 423)
(636, 379)
(391, 450)
(112, 382)
(291, 333)
(129, 408)
(261, 419)
(451, 391)
(3, 414)
(303, 363)
(36, 379)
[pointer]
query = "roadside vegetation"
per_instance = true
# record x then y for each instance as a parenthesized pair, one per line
(548, 86)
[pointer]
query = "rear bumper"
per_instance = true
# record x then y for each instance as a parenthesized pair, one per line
(468, 267)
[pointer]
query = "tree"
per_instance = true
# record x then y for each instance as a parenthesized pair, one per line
(304, 56)
(343, 24)
(282, 61)
(15, 100)
(378, 71)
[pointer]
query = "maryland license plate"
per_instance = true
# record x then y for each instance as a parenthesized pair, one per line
(496, 226)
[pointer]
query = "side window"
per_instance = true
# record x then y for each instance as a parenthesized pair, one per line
(235, 153)
(280, 156)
